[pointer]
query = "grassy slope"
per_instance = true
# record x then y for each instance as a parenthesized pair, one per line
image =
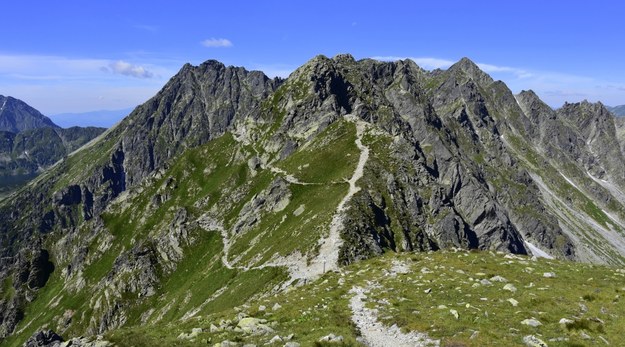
(329, 160)
(588, 295)
(208, 173)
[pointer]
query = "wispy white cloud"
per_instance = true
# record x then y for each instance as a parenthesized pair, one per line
(127, 69)
(216, 43)
(57, 84)
(46, 67)
(520, 73)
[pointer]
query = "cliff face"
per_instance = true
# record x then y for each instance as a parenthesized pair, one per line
(229, 182)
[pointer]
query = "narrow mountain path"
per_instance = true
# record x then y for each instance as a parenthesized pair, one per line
(330, 247)
(210, 224)
(376, 334)
(290, 178)
(327, 259)
(300, 268)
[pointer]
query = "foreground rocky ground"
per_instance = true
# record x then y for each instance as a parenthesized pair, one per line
(452, 298)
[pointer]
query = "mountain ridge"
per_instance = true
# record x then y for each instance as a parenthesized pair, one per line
(16, 116)
(226, 159)
(617, 110)
(31, 142)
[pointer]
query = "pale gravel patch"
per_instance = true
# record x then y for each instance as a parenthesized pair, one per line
(376, 334)
(570, 182)
(288, 177)
(537, 251)
(399, 267)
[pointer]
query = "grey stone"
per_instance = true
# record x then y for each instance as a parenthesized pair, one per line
(498, 279)
(509, 287)
(513, 302)
(331, 338)
(533, 341)
(531, 322)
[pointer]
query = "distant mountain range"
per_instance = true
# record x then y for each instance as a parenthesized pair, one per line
(31, 142)
(617, 110)
(101, 118)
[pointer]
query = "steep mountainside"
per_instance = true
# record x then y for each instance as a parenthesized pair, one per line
(30, 142)
(32, 150)
(16, 115)
(617, 110)
(228, 186)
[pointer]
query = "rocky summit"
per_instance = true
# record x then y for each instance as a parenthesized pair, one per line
(235, 209)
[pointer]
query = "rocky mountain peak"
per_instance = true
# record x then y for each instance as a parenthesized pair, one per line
(466, 67)
(528, 94)
(16, 116)
(344, 58)
(533, 106)
(585, 111)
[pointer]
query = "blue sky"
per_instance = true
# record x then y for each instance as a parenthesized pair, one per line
(78, 56)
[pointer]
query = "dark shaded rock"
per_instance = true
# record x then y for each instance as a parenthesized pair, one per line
(40, 269)
(71, 195)
(46, 338)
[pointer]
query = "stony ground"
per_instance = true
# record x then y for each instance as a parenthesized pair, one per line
(430, 299)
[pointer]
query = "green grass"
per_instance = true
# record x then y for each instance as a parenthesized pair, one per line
(198, 276)
(330, 157)
(588, 295)
(7, 291)
(295, 232)
(486, 309)
(43, 313)
(328, 161)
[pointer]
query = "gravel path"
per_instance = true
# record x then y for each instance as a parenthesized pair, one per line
(330, 247)
(376, 334)
(327, 260)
